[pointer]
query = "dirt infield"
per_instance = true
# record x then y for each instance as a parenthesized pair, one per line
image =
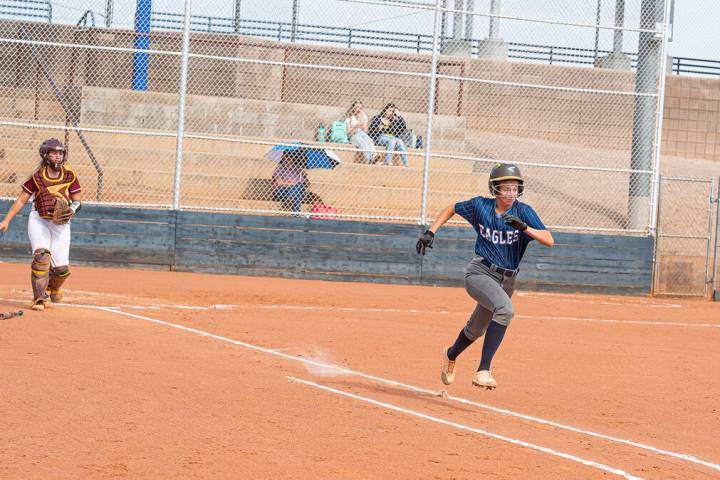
(166, 375)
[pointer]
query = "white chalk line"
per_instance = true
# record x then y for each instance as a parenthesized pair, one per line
(460, 426)
(630, 322)
(402, 311)
(503, 411)
(612, 301)
(586, 299)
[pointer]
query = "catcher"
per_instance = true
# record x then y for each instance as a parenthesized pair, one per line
(56, 192)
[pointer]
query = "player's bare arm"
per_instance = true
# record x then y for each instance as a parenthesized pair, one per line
(442, 218)
(20, 202)
(542, 236)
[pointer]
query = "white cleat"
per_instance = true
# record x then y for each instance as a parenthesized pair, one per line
(483, 379)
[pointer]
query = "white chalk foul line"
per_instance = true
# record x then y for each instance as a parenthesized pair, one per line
(631, 322)
(609, 438)
(460, 426)
(408, 311)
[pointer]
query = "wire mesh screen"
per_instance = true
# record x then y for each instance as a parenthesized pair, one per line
(685, 234)
(288, 104)
(65, 77)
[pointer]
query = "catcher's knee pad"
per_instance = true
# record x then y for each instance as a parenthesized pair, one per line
(58, 275)
(41, 262)
(63, 271)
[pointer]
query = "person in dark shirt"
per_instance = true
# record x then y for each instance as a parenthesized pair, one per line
(504, 226)
(386, 130)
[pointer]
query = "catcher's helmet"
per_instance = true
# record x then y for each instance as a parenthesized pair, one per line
(52, 145)
(505, 171)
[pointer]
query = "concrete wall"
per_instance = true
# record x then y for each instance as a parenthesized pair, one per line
(691, 127)
(597, 120)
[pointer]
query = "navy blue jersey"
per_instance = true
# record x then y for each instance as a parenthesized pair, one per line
(496, 241)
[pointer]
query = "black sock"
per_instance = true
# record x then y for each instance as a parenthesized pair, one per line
(493, 338)
(460, 344)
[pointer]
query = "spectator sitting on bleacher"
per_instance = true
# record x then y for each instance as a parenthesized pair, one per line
(289, 180)
(357, 128)
(386, 129)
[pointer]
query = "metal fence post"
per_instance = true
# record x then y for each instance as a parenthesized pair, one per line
(708, 280)
(236, 18)
(430, 110)
(659, 122)
(109, 13)
(181, 106)
(657, 234)
(294, 25)
(597, 29)
(716, 284)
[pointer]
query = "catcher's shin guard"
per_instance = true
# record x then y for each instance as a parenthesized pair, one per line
(58, 275)
(40, 276)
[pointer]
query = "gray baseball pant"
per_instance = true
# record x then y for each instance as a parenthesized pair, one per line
(492, 292)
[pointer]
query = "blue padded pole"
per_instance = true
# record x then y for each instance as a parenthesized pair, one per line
(143, 14)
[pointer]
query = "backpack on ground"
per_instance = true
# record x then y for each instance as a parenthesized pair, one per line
(338, 132)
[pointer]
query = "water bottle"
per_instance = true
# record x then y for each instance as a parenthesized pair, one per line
(321, 133)
(413, 139)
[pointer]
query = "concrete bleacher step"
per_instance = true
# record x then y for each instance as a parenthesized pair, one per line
(107, 146)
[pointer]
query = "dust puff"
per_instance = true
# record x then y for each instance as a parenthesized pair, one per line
(323, 366)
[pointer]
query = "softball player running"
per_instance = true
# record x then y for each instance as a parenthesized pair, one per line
(505, 227)
(56, 192)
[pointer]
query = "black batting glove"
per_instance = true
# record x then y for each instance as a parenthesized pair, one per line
(426, 240)
(515, 222)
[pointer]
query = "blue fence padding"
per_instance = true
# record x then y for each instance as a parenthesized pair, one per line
(143, 20)
(331, 250)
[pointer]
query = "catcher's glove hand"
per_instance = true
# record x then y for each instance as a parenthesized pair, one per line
(425, 241)
(515, 222)
(63, 212)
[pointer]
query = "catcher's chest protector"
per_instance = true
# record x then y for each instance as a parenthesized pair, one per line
(49, 189)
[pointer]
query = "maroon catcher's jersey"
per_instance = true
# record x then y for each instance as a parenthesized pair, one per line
(46, 190)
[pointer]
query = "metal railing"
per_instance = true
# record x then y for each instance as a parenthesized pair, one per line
(87, 19)
(27, 10)
(356, 37)
(696, 66)
(418, 43)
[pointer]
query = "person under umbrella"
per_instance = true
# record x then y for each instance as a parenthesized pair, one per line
(289, 180)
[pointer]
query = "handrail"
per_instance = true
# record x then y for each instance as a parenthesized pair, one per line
(24, 9)
(349, 37)
(84, 19)
(68, 114)
(418, 43)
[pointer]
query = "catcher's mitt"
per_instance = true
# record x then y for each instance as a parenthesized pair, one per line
(62, 212)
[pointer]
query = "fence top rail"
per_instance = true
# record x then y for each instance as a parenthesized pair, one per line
(689, 179)
(421, 42)
(418, 42)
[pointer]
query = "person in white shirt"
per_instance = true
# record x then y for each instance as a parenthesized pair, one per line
(357, 129)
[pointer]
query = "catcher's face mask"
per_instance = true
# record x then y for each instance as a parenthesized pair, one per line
(55, 147)
(55, 159)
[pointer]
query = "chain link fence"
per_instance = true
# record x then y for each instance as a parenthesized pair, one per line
(716, 247)
(151, 120)
(686, 224)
